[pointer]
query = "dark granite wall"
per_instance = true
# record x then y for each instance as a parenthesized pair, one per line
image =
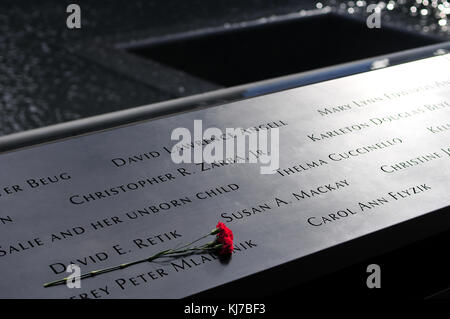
(50, 74)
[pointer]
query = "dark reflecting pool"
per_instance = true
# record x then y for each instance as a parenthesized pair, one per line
(245, 54)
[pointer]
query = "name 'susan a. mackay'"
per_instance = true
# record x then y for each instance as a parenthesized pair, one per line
(299, 195)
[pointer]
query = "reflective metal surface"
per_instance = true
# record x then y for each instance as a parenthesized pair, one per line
(359, 147)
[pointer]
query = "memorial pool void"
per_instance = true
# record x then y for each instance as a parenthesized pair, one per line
(234, 55)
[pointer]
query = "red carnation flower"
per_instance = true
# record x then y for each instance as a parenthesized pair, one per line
(224, 231)
(223, 243)
(225, 238)
(227, 246)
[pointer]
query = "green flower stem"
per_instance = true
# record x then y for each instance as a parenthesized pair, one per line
(207, 247)
(213, 232)
(169, 252)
